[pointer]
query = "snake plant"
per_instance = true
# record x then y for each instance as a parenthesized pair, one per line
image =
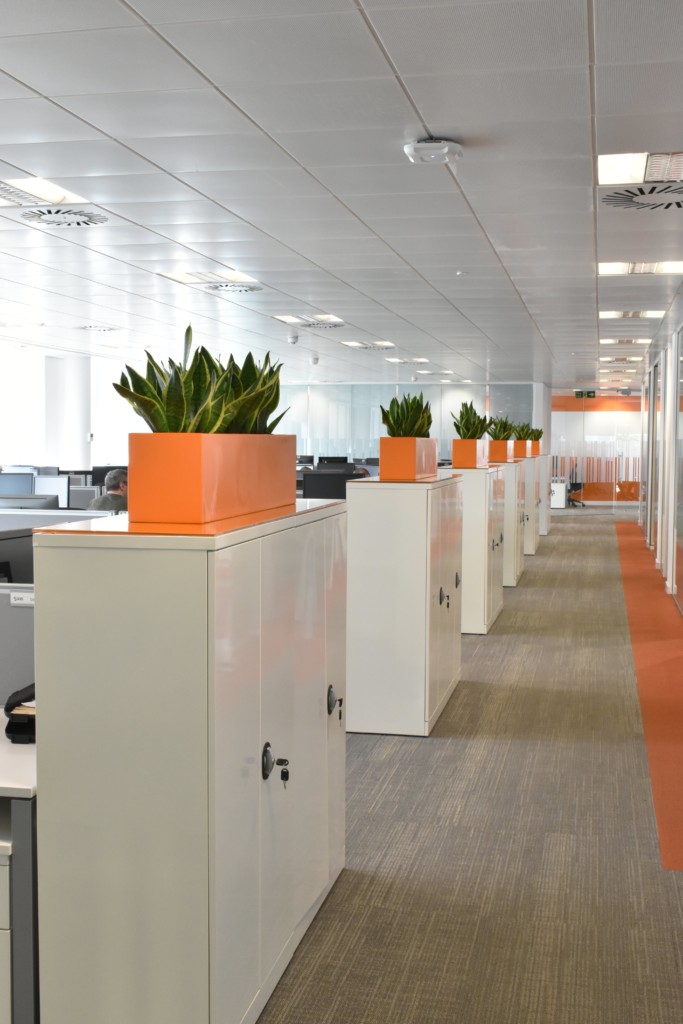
(411, 417)
(500, 428)
(522, 431)
(536, 434)
(469, 424)
(203, 396)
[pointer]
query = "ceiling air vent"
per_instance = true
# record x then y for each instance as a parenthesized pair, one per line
(97, 327)
(234, 287)
(647, 197)
(64, 217)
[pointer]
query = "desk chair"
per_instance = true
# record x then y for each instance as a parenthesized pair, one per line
(573, 501)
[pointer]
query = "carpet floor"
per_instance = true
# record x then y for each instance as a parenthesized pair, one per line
(506, 870)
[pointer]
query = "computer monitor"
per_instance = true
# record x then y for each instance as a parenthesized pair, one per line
(29, 500)
(99, 473)
(325, 460)
(304, 460)
(326, 485)
(16, 483)
(58, 485)
(47, 470)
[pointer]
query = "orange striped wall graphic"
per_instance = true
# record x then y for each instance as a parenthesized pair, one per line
(619, 403)
(603, 479)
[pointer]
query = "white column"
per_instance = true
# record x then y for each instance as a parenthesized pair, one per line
(67, 411)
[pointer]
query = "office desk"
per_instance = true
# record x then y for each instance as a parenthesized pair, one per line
(18, 913)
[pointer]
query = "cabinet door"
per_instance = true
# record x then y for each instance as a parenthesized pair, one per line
(335, 655)
(444, 525)
(491, 540)
(294, 824)
(519, 531)
(5, 978)
(234, 779)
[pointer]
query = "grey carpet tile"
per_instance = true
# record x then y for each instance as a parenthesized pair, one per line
(506, 869)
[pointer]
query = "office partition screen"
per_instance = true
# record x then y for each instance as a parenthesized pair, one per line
(58, 485)
(16, 483)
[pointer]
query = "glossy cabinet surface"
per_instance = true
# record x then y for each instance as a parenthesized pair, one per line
(513, 521)
(483, 540)
(544, 494)
(532, 502)
(404, 573)
(184, 857)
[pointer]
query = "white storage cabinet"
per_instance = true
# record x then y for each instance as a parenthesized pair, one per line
(532, 501)
(175, 880)
(404, 586)
(544, 495)
(558, 494)
(483, 539)
(513, 521)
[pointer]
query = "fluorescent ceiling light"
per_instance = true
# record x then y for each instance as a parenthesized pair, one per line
(445, 380)
(634, 359)
(354, 344)
(326, 318)
(288, 319)
(621, 168)
(31, 191)
(605, 359)
(643, 341)
(384, 344)
(394, 359)
(420, 359)
(423, 371)
(613, 268)
(465, 380)
(448, 371)
(608, 341)
(645, 314)
(664, 267)
(664, 167)
(208, 276)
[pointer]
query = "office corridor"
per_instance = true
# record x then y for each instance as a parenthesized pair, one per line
(506, 870)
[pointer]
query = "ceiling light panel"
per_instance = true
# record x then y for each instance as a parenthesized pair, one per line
(665, 267)
(621, 168)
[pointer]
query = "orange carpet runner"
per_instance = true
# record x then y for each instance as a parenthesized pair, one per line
(656, 628)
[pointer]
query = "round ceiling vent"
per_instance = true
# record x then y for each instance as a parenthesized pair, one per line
(65, 217)
(644, 197)
(97, 327)
(235, 287)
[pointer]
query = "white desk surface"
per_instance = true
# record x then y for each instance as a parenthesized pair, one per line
(17, 766)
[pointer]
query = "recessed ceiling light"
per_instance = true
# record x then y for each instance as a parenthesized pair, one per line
(423, 371)
(420, 359)
(393, 359)
(354, 344)
(634, 359)
(384, 344)
(286, 319)
(32, 191)
(643, 341)
(621, 168)
(465, 380)
(605, 359)
(647, 314)
(608, 341)
(448, 371)
(445, 380)
(664, 267)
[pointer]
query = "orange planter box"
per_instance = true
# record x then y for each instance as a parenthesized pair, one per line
(535, 447)
(522, 449)
(199, 478)
(501, 451)
(470, 453)
(408, 459)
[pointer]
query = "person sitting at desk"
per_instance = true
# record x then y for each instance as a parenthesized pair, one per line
(115, 498)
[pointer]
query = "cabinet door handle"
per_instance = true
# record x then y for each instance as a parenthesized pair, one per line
(458, 580)
(501, 538)
(267, 761)
(442, 595)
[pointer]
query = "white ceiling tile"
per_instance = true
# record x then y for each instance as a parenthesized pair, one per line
(38, 120)
(279, 50)
(196, 212)
(50, 159)
(235, 152)
(260, 209)
(295, 107)
(127, 188)
(633, 33)
(32, 16)
(446, 204)
(407, 179)
(633, 89)
(527, 34)
(167, 11)
(349, 148)
(278, 183)
(513, 174)
(133, 115)
(84, 62)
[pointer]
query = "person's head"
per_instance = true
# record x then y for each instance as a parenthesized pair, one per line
(116, 480)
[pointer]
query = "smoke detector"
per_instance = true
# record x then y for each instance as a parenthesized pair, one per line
(433, 151)
(65, 217)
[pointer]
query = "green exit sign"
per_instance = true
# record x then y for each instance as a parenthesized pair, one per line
(584, 394)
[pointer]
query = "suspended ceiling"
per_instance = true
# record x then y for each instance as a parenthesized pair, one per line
(266, 137)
